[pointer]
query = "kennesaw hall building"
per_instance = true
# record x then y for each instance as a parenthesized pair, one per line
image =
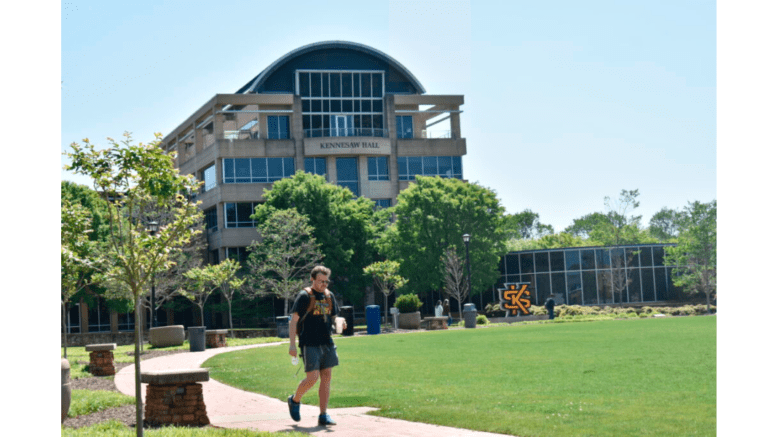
(339, 109)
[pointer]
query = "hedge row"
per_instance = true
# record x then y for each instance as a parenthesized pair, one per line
(579, 310)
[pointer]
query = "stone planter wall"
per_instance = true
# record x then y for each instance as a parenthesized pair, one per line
(410, 320)
(174, 397)
(216, 338)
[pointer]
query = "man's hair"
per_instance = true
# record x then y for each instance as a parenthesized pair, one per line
(320, 269)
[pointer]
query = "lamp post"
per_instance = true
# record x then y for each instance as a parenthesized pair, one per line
(153, 227)
(469, 271)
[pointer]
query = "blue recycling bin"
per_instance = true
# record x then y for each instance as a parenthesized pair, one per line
(373, 319)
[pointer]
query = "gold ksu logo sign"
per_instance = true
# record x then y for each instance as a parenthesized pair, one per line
(515, 297)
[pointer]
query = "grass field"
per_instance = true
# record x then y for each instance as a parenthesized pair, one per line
(603, 378)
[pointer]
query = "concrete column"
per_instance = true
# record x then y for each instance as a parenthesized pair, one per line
(298, 134)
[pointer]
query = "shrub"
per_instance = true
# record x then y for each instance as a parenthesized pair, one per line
(408, 303)
(482, 320)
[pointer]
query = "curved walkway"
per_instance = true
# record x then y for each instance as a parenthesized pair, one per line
(229, 407)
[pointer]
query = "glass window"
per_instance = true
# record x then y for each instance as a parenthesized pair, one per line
(635, 286)
(381, 203)
(304, 84)
(632, 257)
(590, 296)
(558, 287)
(457, 167)
(315, 84)
(573, 259)
(646, 257)
(274, 169)
(648, 291)
(658, 256)
(238, 215)
(604, 283)
(444, 166)
(527, 263)
(259, 170)
(209, 177)
(617, 257)
(602, 258)
(378, 168)
(334, 84)
(587, 257)
(543, 288)
(404, 175)
(315, 166)
(277, 127)
(211, 219)
(242, 170)
(574, 289)
(512, 264)
(348, 174)
(404, 126)
(541, 261)
(557, 261)
(239, 254)
(430, 166)
(661, 288)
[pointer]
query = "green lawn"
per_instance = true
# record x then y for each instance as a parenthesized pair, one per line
(602, 378)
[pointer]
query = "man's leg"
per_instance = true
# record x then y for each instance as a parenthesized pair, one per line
(306, 384)
(323, 389)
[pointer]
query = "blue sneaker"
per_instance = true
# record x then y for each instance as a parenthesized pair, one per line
(324, 420)
(294, 409)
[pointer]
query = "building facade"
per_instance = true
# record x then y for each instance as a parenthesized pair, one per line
(632, 274)
(339, 109)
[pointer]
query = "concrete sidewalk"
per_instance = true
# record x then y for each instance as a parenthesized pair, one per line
(229, 407)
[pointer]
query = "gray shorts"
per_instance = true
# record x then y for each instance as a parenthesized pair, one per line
(320, 357)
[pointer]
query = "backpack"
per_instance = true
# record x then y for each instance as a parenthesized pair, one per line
(312, 305)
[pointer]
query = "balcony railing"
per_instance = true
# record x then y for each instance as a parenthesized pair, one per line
(346, 132)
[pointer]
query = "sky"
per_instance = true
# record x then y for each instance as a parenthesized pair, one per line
(566, 102)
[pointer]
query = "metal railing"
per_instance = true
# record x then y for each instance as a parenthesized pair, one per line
(346, 132)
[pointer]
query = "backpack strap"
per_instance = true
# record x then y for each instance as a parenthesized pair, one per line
(312, 305)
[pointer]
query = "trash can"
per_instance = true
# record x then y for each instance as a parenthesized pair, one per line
(196, 338)
(373, 319)
(347, 314)
(282, 325)
(470, 315)
(395, 315)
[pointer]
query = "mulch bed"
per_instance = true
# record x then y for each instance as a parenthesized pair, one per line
(124, 414)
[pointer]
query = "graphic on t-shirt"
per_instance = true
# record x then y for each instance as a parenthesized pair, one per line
(320, 308)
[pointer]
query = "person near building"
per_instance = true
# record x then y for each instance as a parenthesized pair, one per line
(438, 309)
(446, 311)
(549, 305)
(313, 314)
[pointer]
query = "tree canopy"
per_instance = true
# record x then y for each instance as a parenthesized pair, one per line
(434, 213)
(342, 225)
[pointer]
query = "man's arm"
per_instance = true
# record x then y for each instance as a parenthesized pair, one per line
(293, 335)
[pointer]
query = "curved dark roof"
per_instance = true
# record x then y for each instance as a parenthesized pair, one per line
(333, 55)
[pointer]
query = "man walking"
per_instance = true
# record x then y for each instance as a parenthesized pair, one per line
(313, 313)
(549, 304)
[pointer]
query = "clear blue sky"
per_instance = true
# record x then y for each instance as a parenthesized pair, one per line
(566, 102)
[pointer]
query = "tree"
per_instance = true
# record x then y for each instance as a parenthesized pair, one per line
(665, 224)
(696, 252)
(229, 284)
(432, 214)
(342, 225)
(386, 278)
(283, 260)
(129, 177)
(526, 225)
(617, 227)
(582, 227)
(76, 251)
(201, 282)
(456, 284)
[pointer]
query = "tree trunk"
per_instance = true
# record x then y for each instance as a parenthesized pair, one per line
(229, 308)
(385, 306)
(64, 324)
(138, 393)
(708, 302)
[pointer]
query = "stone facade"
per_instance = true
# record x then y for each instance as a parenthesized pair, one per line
(216, 338)
(178, 404)
(101, 359)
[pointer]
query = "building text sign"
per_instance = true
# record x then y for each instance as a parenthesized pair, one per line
(516, 297)
(347, 146)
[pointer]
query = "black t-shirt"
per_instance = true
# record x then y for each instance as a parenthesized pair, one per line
(316, 329)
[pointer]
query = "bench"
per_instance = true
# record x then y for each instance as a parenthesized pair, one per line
(174, 397)
(101, 359)
(433, 323)
(216, 338)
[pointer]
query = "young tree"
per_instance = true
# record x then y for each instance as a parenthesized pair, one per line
(696, 252)
(229, 284)
(434, 213)
(283, 260)
(386, 279)
(76, 250)
(129, 177)
(456, 285)
(665, 224)
(342, 225)
(201, 282)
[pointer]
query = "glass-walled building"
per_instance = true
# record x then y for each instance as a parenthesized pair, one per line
(591, 275)
(339, 109)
